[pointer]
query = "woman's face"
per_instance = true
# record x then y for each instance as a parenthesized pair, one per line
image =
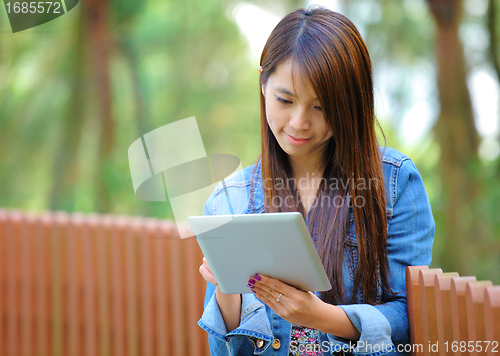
(295, 118)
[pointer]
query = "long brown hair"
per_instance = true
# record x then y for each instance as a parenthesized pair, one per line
(330, 53)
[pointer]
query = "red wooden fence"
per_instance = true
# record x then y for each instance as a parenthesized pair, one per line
(452, 315)
(115, 285)
(98, 285)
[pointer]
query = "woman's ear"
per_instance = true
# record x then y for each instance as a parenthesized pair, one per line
(262, 86)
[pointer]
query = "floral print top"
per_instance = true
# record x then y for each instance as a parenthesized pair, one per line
(304, 341)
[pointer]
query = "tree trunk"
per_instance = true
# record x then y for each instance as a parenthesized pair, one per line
(494, 52)
(140, 94)
(492, 30)
(456, 133)
(65, 171)
(96, 15)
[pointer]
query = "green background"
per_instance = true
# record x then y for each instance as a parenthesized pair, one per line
(77, 91)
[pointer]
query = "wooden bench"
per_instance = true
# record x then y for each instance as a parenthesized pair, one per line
(452, 315)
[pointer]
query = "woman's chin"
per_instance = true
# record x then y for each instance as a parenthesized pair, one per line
(294, 151)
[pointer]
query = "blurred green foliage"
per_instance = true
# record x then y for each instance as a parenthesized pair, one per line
(171, 60)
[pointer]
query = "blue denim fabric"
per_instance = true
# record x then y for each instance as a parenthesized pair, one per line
(384, 328)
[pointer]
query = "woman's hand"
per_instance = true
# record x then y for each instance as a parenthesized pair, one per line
(295, 306)
(206, 273)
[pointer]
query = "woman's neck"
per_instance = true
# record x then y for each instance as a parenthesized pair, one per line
(305, 167)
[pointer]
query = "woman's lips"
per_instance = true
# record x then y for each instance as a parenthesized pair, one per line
(295, 141)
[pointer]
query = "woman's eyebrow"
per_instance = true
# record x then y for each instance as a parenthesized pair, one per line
(286, 91)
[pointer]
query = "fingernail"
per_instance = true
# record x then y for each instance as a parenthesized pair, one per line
(254, 292)
(257, 277)
(250, 285)
(251, 281)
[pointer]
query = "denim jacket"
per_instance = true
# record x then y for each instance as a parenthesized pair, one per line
(384, 327)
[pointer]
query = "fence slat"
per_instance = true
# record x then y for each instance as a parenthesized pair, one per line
(13, 232)
(3, 282)
(104, 276)
(27, 284)
(132, 278)
(474, 301)
(443, 311)
(460, 332)
(118, 296)
(194, 279)
(73, 283)
(429, 318)
(176, 301)
(146, 271)
(165, 231)
(90, 285)
(414, 306)
(492, 319)
(59, 277)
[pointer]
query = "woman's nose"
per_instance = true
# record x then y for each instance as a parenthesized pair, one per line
(300, 120)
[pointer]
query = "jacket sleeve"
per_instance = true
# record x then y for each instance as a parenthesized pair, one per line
(254, 323)
(384, 327)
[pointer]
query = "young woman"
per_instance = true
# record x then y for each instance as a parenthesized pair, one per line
(366, 207)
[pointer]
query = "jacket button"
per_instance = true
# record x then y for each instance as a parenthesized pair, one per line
(260, 343)
(276, 344)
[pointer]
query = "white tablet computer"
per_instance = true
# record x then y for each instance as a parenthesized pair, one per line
(274, 244)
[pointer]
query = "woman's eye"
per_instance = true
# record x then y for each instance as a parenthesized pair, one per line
(283, 101)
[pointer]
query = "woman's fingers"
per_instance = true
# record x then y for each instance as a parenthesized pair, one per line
(273, 286)
(280, 307)
(206, 272)
(269, 289)
(271, 295)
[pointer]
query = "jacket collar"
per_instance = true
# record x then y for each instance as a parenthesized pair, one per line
(256, 204)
